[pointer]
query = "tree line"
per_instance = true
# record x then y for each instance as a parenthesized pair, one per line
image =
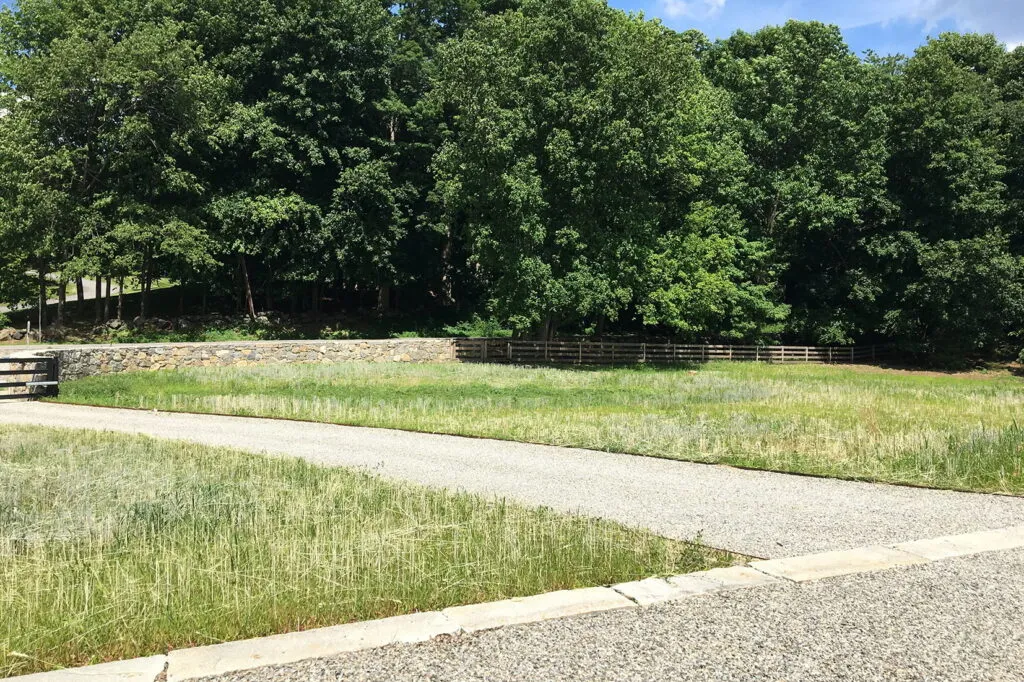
(554, 165)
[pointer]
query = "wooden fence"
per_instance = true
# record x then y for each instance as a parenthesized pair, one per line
(513, 351)
(26, 378)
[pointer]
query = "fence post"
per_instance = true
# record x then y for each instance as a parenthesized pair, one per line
(52, 375)
(807, 353)
(510, 351)
(730, 353)
(783, 355)
(644, 361)
(483, 350)
(830, 355)
(853, 355)
(581, 353)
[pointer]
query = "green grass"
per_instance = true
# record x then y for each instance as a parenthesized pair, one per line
(947, 431)
(115, 546)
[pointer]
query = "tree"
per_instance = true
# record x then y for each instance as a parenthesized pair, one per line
(950, 256)
(813, 125)
(307, 81)
(116, 102)
(580, 137)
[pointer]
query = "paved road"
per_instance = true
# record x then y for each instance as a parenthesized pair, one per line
(957, 620)
(755, 513)
(89, 289)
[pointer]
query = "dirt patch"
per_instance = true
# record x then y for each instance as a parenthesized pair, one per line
(992, 372)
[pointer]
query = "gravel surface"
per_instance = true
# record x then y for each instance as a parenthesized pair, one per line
(952, 620)
(755, 513)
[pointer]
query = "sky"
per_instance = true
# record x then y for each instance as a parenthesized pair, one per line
(885, 26)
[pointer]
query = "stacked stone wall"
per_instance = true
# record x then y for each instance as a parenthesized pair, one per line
(82, 361)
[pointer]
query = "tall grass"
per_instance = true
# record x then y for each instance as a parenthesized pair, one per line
(945, 431)
(117, 546)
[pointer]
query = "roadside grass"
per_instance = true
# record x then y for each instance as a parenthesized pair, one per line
(115, 546)
(944, 431)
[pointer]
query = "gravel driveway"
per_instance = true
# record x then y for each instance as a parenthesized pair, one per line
(956, 620)
(755, 513)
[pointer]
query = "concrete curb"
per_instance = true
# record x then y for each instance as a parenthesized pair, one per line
(835, 564)
(542, 607)
(189, 664)
(135, 670)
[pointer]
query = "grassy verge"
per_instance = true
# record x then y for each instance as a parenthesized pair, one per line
(116, 546)
(934, 430)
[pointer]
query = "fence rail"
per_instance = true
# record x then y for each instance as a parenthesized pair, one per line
(27, 378)
(513, 351)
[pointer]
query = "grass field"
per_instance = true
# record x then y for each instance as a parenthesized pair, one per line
(116, 546)
(936, 430)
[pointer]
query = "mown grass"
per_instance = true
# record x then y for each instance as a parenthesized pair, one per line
(936, 430)
(115, 546)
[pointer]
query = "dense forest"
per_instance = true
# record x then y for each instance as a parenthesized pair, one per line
(556, 166)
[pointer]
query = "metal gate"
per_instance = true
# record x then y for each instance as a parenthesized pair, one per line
(27, 378)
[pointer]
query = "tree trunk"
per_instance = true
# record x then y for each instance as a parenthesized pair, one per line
(42, 299)
(120, 299)
(545, 329)
(62, 296)
(106, 300)
(98, 301)
(144, 294)
(142, 300)
(250, 307)
(447, 270)
(384, 298)
(80, 300)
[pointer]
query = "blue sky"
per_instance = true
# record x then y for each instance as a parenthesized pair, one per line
(885, 26)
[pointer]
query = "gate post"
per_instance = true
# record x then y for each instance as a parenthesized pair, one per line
(53, 374)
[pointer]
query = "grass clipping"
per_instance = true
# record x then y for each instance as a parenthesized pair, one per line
(114, 547)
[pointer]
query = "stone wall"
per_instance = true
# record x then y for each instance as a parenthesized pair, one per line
(83, 361)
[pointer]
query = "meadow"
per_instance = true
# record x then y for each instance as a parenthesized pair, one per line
(114, 546)
(950, 431)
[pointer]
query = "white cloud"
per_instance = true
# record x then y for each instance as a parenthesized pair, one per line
(1005, 18)
(693, 9)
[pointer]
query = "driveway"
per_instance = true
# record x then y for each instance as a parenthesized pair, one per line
(755, 513)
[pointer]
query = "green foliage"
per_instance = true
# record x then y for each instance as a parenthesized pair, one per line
(584, 141)
(813, 125)
(967, 293)
(478, 328)
(553, 165)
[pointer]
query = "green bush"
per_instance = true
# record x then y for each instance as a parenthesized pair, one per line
(478, 327)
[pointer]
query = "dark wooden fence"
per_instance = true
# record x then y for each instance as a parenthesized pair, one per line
(515, 351)
(27, 378)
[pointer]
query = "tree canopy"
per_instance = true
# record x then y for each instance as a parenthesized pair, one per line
(553, 165)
